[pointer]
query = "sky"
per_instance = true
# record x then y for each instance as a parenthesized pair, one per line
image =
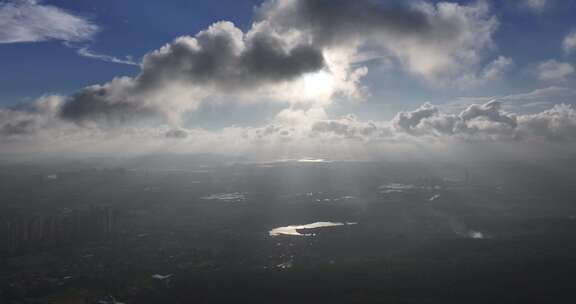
(284, 78)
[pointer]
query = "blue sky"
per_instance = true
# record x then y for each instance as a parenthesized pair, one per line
(133, 28)
(296, 62)
(126, 28)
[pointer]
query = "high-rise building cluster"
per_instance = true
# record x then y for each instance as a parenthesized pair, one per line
(29, 233)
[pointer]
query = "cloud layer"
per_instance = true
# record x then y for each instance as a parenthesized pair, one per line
(36, 127)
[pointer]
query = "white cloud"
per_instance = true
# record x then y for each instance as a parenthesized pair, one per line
(298, 52)
(536, 5)
(303, 55)
(37, 127)
(350, 128)
(407, 121)
(444, 43)
(87, 52)
(569, 43)
(479, 123)
(29, 119)
(453, 56)
(539, 100)
(496, 69)
(31, 21)
(558, 124)
(553, 70)
(221, 63)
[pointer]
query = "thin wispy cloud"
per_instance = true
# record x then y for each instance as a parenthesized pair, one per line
(552, 70)
(26, 21)
(32, 21)
(536, 5)
(569, 42)
(85, 51)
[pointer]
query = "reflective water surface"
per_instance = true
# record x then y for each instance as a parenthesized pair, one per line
(293, 230)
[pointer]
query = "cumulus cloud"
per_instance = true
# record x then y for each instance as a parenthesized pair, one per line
(558, 124)
(30, 118)
(223, 57)
(110, 102)
(303, 54)
(220, 61)
(408, 120)
(37, 127)
(439, 42)
(299, 52)
(31, 21)
(330, 23)
(569, 42)
(476, 123)
(553, 70)
(490, 111)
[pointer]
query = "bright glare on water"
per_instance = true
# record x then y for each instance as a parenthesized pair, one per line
(293, 230)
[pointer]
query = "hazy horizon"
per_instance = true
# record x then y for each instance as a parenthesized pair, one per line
(287, 151)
